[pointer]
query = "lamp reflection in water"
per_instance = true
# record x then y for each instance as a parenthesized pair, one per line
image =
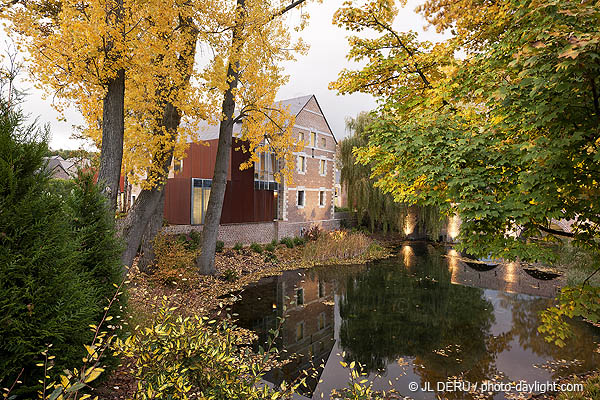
(510, 276)
(407, 256)
(453, 264)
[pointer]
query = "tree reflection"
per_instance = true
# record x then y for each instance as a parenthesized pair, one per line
(577, 356)
(417, 312)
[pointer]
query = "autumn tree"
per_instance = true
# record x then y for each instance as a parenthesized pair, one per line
(498, 124)
(250, 75)
(159, 58)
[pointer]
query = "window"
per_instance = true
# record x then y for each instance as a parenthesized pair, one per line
(200, 195)
(301, 198)
(323, 142)
(322, 167)
(301, 164)
(336, 192)
(313, 139)
(321, 289)
(321, 321)
(300, 331)
(177, 165)
(321, 198)
(300, 297)
(264, 172)
(301, 137)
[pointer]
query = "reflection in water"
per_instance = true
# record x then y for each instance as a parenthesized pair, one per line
(418, 317)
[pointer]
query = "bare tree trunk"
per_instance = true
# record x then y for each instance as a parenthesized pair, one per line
(206, 260)
(113, 127)
(147, 247)
(134, 225)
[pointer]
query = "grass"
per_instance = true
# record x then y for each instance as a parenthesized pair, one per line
(341, 245)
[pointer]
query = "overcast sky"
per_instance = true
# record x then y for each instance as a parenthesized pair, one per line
(310, 74)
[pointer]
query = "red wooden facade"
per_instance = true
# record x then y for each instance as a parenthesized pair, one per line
(243, 203)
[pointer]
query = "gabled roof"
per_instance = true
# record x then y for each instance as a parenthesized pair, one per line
(297, 104)
(294, 105)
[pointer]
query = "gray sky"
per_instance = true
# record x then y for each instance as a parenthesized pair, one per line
(310, 74)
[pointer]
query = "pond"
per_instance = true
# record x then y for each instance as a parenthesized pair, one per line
(422, 316)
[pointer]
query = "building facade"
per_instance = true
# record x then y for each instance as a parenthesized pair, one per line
(256, 208)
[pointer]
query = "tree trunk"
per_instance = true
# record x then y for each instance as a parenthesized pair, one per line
(152, 228)
(206, 260)
(132, 228)
(113, 127)
(138, 221)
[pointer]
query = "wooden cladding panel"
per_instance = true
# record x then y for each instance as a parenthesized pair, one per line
(177, 201)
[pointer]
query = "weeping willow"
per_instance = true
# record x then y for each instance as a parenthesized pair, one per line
(370, 203)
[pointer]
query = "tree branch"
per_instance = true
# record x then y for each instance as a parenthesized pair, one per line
(554, 231)
(288, 8)
(590, 276)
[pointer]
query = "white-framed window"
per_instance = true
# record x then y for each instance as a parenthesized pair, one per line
(321, 289)
(301, 164)
(337, 193)
(301, 198)
(321, 198)
(313, 139)
(322, 167)
(302, 137)
(323, 142)
(200, 194)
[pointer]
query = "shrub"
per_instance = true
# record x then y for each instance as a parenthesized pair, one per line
(220, 246)
(238, 246)
(179, 355)
(230, 275)
(289, 242)
(298, 241)
(269, 247)
(271, 258)
(274, 242)
(47, 297)
(174, 262)
(195, 240)
(313, 233)
(99, 248)
(257, 248)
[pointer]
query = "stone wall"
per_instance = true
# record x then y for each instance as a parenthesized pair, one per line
(259, 232)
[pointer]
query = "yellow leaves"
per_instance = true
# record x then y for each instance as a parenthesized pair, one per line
(92, 373)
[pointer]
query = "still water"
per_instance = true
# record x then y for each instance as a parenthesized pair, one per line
(423, 316)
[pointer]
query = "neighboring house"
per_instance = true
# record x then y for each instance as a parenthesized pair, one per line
(65, 169)
(253, 196)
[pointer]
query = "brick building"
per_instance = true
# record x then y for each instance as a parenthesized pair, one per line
(256, 208)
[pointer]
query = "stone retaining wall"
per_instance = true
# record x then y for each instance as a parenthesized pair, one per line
(259, 232)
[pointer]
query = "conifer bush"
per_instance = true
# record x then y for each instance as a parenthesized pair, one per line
(46, 296)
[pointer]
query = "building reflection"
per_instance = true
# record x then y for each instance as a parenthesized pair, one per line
(307, 333)
(509, 277)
